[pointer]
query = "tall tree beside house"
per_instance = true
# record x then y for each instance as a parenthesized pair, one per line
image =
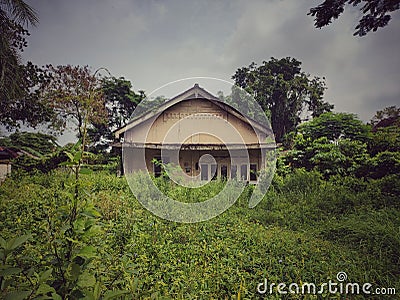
(75, 94)
(376, 13)
(18, 94)
(386, 131)
(334, 126)
(284, 92)
(333, 143)
(120, 102)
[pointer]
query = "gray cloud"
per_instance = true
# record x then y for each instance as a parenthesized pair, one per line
(154, 42)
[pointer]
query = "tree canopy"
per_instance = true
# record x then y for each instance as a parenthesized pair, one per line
(120, 102)
(334, 126)
(386, 131)
(18, 82)
(75, 95)
(376, 13)
(283, 91)
(35, 143)
(389, 116)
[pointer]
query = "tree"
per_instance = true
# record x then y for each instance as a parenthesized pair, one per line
(334, 126)
(389, 116)
(14, 16)
(41, 152)
(25, 103)
(18, 82)
(376, 13)
(383, 164)
(344, 157)
(120, 102)
(75, 94)
(283, 92)
(386, 131)
(34, 143)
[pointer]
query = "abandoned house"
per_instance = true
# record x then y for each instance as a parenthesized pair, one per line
(6, 155)
(204, 133)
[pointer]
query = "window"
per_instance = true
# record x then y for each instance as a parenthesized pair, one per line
(253, 172)
(234, 172)
(224, 172)
(243, 172)
(204, 172)
(188, 169)
(214, 172)
(157, 166)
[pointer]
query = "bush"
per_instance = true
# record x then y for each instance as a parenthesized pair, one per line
(383, 164)
(305, 230)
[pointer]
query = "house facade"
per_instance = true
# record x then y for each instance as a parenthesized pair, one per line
(6, 155)
(206, 137)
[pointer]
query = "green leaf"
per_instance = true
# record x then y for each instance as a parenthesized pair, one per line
(89, 295)
(77, 156)
(91, 212)
(9, 271)
(97, 290)
(3, 243)
(44, 289)
(45, 275)
(85, 171)
(77, 145)
(70, 156)
(75, 271)
(94, 231)
(66, 163)
(17, 295)
(86, 280)
(16, 242)
(87, 252)
(135, 284)
(114, 294)
(56, 296)
(71, 240)
(64, 228)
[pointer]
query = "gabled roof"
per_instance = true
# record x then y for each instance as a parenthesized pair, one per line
(391, 121)
(7, 153)
(195, 92)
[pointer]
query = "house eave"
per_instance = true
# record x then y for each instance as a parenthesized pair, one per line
(157, 146)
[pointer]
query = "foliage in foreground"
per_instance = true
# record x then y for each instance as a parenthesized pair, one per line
(305, 230)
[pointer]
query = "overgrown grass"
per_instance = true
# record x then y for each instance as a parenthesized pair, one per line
(304, 230)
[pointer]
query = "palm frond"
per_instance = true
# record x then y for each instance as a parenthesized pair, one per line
(20, 11)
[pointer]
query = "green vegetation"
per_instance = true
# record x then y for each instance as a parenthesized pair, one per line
(283, 91)
(71, 229)
(305, 230)
(340, 144)
(375, 13)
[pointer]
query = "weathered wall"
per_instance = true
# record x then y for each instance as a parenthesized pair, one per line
(5, 169)
(190, 162)
(212, 126)
(178, 123)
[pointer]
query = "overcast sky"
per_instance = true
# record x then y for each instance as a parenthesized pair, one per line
(152, 43)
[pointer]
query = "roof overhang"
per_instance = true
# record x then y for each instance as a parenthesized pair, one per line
(196, 92)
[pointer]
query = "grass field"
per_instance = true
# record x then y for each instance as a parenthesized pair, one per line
(305, 230)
